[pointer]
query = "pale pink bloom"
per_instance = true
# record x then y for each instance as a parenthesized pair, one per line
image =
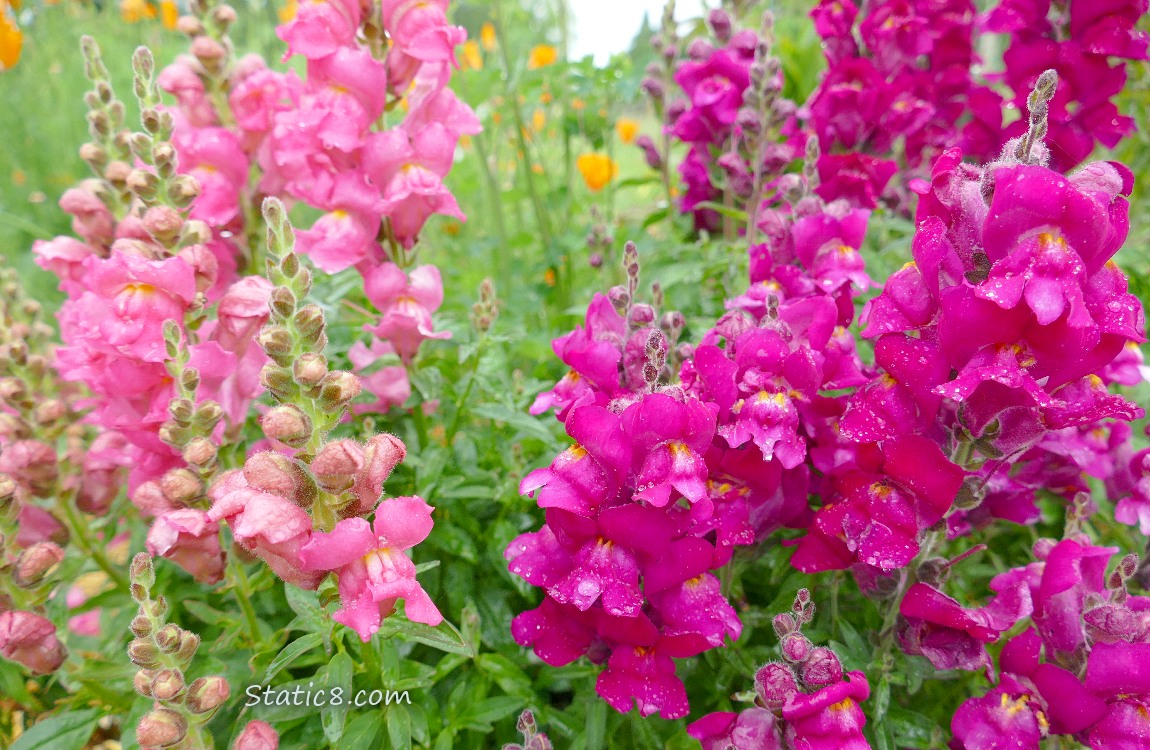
(191, 540)
(215, 157)
(103, 472)
(259, 96)
(409, 171)
(267, 525)
(242, 310)
(406, 305)
(30, 640)
(374, 573)
(430, 102)
(420, 29)
(347, 235)
(350, 88)
(63, 256)
(181, 81)
(320, 27)
(389, 385)
(91, 219)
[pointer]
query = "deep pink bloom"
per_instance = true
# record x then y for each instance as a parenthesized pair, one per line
(374, 573)
(751, 729)
(830, 718)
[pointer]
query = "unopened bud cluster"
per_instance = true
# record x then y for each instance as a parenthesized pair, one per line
(661, 355)
(486, 310)
(533, 739)
(163, 652)
(312, 398)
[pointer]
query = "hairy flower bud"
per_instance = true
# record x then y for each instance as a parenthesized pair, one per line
(168, 638)
(141, 570)
(274, 472)
(257, 735)
(161, 728)
(140, 626)
(142, 682)
(200, 451)
(720, 22)
(775, 684)
(380, 457)
(189, 642)
(338, 388)
(336, 464)
(167, 684)
(144, 653)
(207, 693)
(36, 562)
(181, 486)
(163, 222)
(309, 368)
(796, 648)
(822, 667)
(287, 424)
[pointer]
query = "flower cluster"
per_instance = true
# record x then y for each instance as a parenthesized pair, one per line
(805, 701)
(898, 80)
(1079, 669)
(624, 555)
(1079, 39)
(301, 507)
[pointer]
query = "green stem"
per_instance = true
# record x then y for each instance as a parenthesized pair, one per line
(451, 430)
(493, 190)
(78, 531)
(242, 589)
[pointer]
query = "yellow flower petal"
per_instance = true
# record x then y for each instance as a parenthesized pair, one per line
(627, 129)
(11, 42)
(541, 56)
(487, 36)
(597, 170)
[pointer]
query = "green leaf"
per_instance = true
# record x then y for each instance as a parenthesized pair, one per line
(481, 714)
(719, 208)
(64, 731)
(445, 740)
(334, 716)
(363, 730)
(509, 677)
(445, 637)
(204, 613)
(596, 735)
(290, 653)
(399, 727)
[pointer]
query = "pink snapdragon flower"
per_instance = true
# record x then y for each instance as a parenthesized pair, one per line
(30, 639)
(406, 302)
(320, 28)
(191, 540)
(374, 573)
(421, 31)
(266, 524)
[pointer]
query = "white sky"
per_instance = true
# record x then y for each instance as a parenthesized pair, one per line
(604, 27)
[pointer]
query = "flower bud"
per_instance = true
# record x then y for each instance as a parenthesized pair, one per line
(276, 378)
(675, 110)
(822, 667)
(141, 570)
(700, 49)
(257, 735)
(336, 464)
(380, 457)
(207, 693)
(167, 684)
(775, 684)
(49, 411)
(143, 184)
(209, 53)
(144, 653)
(189, 26)
(309, 320)
(274, 472)
(653, 88)
(651, 153)
(142, 681)
(287, 424)
(161, 728)
(95, 155)
(720, 22)
(36, 562)
(283, 302)
(526, 723)
(200, 451)
(181, 486)
(338, 388)
(796, 648)
(140, 626)
(277, 342)
(620, 298)
(184, 189)
(640, 315)
(224, 16)
(163, 222)
(784, 625)
(168, 638)
(189, 642)
(309, 368)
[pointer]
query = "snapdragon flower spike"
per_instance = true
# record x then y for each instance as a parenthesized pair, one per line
(879, 509)
(806, 701)
(908, 83)
(374, 571)
(1088, 44)
(1078, 670)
